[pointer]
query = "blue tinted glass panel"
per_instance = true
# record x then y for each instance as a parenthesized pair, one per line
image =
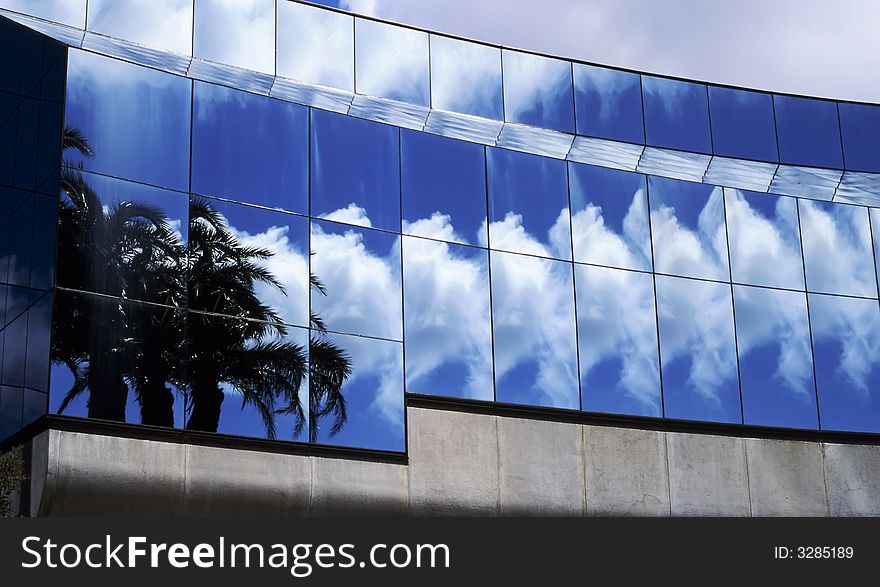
(373, 394)
(19, 244)
(765, 241)
(698, 350)
(742, 124)
(609, 103)
(528, 204)
(535, 340)
(43, 249)
(775, 357)
(846, 339)
(466, 77)
(69, 12)
(161, 24)
(392, 62)
(360, 272)
(131, 360)
(122, 239)
(444, 188)
(315, 45)
(676, 114)
(10, 410)
(860, 128)
(34, 406)
(250, 148)
(538, 91)
(448, 328)
(13, 359)
(837, 249)
(282, 241)
(609, 220)
(808, 132)
(355, 171)
(238, 33)
(39, 319)
(112, 102)
(617, 340)
(688, 229)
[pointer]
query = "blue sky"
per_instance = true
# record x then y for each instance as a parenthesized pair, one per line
(809, 47)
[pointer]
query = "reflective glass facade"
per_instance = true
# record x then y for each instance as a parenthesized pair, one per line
(289, 263)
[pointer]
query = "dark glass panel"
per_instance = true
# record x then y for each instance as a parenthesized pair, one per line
(39, 321)
(742, 124)
(355, 171)
(808, 132)
(444, 188)
(775, 358)
(676, 114)
(43, 249)
(21, 229)
(534, 324)
(609, 103)
(116, 360)
(34, 406)
(448, 327)
(10, 410)
(250, 148)
(528, 204)
(617, 339)
(122, 239)
(136, 119)
(15, 345)
(27, 144)
(698, 350)
(860, 128)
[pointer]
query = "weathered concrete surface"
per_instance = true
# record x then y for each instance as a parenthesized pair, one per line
(626, 472)
(541, 468)
(707, 475)
(463, 464)
(786, 478)
(852, 476)
(238, 483)
(352, 488)
(453, 463)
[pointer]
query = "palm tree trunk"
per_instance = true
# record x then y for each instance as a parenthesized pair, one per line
(207, 399)
(157, 403)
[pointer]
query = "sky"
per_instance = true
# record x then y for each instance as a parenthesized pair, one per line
(810, 47)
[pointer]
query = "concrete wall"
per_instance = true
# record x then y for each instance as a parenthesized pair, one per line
(465, 464)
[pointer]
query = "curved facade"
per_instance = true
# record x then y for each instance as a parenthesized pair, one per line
(281, 221)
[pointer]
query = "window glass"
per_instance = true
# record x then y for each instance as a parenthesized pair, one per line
(528, 204)
(534, 331)
(860, 128)
(466, 77)
(609, 103)
(13, 359)
(742, 124)
(69, 12)
(262, 254)
(775, 357)
(10, 410)
(697, 350)
(676, 114)
(808, 131)
(360, 274)
(130, 359)
(315, 45)
(448, 327)
(110, 102)
(609, 220)
(39, 326)
(688, 229)
(846, 339)
(355, 171)
(538, 91)
(765, 242)
(250, 148)
(160, 24)
(444, 188)
(373, 393)
(122, 239)
(16, 258)
(617, 341)
(392, 62)
(837, 248)
(236, 33)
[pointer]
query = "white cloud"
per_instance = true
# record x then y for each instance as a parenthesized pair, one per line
(160, 24)
(465, 77)
(237, 32)
(70, 12)
(531, 81)
(595, 242)
(392, 62)
(315, 45)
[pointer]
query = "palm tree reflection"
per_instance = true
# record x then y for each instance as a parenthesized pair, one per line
(233, 340)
